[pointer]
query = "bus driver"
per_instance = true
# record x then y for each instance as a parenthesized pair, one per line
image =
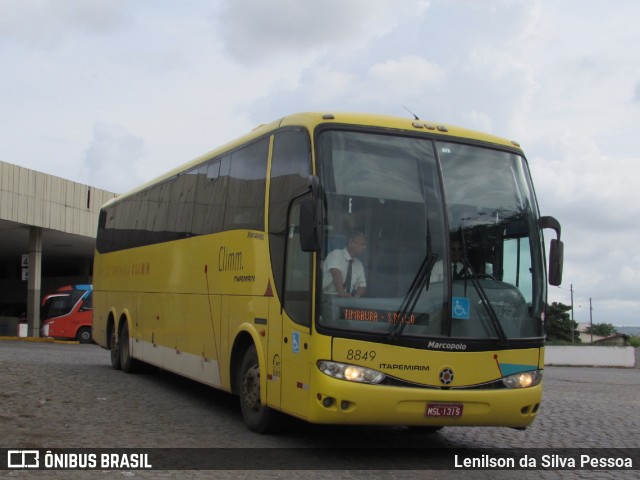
(343, 272)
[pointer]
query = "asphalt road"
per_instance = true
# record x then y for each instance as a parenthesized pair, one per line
(56, 396)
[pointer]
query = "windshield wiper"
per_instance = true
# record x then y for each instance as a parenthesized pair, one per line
(502, 337)
(420, 281)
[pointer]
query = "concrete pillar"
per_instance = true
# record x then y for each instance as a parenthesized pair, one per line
(34, 284)
(86, 270)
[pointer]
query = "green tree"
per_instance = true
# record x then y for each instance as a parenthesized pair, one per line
(560, 327)
(601, 329)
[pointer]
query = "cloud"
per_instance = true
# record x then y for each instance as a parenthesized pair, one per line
(411, 77)
(379, 88)
(255, 31)
(112, 156)
(46, 24)
(478, 120)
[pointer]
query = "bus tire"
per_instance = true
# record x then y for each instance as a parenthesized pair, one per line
(259, 418)
(115, 352)
(128, 364)
(84, 335)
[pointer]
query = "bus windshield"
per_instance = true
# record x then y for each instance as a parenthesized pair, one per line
(428, 239)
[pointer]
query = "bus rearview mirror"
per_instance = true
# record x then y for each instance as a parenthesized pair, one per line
(556, 250)
(556, 259)
(311, 224)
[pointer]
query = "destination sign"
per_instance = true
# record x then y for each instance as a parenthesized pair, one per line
(372, 315)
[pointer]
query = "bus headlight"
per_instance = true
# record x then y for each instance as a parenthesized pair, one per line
(352, 373)
(523, 380)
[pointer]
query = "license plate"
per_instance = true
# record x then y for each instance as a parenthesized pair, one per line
(443, 410)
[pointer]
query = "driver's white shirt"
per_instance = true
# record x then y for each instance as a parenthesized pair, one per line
(339, 259)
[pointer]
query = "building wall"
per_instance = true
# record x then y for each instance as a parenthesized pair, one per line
(61, 216)
(592, 356)
(37, 199)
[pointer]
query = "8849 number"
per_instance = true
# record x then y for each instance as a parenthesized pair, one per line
(367, 355)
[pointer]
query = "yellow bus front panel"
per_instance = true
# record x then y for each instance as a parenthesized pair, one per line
(470, 383)
(353, 403)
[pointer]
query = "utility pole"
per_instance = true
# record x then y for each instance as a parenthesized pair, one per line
(572, 329)
(591, 319)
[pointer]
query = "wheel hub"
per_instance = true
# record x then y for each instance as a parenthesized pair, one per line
(252, 388)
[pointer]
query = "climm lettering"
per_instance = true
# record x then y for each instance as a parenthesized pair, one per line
(229, 261)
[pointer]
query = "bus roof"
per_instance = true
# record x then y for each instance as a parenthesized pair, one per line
(311, 120)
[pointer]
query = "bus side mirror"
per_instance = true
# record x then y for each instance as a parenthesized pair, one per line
(311, 224)
(556, 251)
(556, 258)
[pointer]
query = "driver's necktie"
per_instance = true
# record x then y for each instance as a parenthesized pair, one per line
(347, 281)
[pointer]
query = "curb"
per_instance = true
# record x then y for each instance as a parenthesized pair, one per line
(40, 340)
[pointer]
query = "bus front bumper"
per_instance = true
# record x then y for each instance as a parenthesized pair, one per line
(336, 401)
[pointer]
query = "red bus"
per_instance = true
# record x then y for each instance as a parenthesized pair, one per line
(67, 313)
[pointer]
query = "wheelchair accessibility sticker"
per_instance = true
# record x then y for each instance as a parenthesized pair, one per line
(295, 342)
(460, 308)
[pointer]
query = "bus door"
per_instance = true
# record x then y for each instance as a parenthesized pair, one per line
(292, 273)
(295, 367)
(296, 321)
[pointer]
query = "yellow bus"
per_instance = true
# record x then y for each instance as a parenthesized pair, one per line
(224, 270)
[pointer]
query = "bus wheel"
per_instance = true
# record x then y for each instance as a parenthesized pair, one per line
(259, 418)
(84, 335)
(115, 352)
(127, 362)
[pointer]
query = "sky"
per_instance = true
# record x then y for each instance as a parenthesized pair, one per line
(113, 93)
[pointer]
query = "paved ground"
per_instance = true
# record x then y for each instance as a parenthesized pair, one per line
(67, 396)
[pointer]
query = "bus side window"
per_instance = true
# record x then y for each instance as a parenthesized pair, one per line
(297, 290)
(246, 187)
(209, 203)
(159, 197)
(183, 195)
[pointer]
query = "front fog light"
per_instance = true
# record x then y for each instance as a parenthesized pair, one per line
(523, 380)
(352, 373)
